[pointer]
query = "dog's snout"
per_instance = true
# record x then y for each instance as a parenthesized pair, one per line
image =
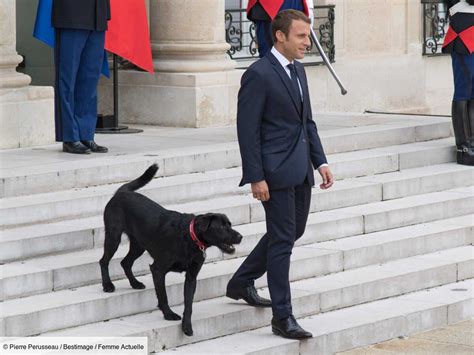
(238, 238)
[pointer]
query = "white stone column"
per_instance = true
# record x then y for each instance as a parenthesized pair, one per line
(414, 27)
(195, 83)
(189, 36)
(26, 112)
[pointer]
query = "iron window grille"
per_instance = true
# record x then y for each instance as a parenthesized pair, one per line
(241, 35)
(435, 26)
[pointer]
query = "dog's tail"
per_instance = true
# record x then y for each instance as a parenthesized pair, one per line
(141, 181)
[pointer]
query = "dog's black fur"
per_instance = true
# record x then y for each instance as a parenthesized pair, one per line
(165, 235)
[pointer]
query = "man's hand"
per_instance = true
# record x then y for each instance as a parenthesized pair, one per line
(328, 179)
(260, 190)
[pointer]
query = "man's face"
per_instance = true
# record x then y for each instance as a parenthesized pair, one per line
(295, 44)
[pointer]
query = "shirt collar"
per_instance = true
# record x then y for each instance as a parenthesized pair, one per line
(281, 58)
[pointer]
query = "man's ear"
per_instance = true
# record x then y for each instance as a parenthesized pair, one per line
(280, 36)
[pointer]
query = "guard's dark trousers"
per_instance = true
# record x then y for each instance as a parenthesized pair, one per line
(463, 107)
(78, 58)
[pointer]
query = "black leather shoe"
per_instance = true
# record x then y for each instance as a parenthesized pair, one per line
(289, 328)
(94, 147)
(75, 148)
(248, 294)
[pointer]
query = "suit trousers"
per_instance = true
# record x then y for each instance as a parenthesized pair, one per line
(78, 56)
(286, 214)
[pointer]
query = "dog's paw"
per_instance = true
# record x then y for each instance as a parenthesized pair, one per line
(187, 329)
(172, 316)
(137, 285)
(108, 287)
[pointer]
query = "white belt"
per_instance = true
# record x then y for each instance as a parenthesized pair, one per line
(462, 7)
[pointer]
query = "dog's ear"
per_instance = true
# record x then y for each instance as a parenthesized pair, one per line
(205, 221)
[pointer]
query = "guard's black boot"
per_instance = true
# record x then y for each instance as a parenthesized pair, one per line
(463, 125)
(75, 148)
(94, 147)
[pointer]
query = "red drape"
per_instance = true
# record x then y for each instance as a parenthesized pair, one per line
(128, 35)
(272, 6)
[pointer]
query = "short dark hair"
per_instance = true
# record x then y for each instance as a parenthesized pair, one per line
(282, 21)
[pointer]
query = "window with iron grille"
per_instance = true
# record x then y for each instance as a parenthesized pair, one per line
(435, 26)
(242, 38)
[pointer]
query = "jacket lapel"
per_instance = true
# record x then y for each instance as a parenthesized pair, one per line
(286, 80)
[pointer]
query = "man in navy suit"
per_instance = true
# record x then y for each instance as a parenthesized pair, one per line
(279, 146)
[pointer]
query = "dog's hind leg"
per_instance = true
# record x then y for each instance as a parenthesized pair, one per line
(111, 244)
(160, 288)
(133, 254)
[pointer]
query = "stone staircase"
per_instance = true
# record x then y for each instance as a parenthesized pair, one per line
(387, 251)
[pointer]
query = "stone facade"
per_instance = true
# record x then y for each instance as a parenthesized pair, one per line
(378, 58)
(26, 112)
(195, 84)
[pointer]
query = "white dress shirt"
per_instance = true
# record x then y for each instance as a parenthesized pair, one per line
(284, 63)
(461, 6)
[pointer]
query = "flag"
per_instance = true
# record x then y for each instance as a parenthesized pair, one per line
(44, 31)
(128, 35)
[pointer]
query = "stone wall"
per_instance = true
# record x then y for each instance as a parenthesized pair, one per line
(379, 59)
(26, 112)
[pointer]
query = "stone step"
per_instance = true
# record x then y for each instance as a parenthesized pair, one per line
(65, 175)
(43, 239)
(415, 209)
(91, 201)
(114, 169)
(420, 154)
(218, 317)
(87, 233)
(423, 180)
(53, 273)
(353, 327)
(54, 310)
(31, 241)
(41, 208)
(380, 160)
(366, 137)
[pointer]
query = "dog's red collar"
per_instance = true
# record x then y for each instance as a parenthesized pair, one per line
(194, 237)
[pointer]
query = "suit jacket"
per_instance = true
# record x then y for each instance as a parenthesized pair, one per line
(278, 138)
(81, 14)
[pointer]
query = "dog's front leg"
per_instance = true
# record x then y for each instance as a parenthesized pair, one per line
(189, 290)
(160, 288)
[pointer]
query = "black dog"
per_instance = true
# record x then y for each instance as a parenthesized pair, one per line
(175, 241)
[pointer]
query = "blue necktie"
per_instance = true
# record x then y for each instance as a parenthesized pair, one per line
(294, 80)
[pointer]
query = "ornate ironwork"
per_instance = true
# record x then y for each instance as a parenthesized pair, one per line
(435, 25)
(324, 24)
(241, 34)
